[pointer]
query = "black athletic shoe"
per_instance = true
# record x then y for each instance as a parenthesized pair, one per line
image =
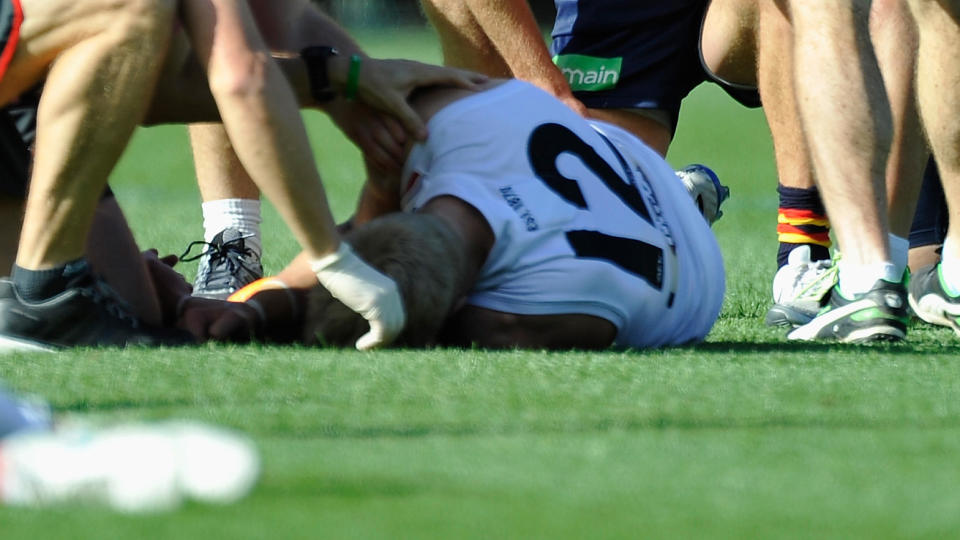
(931, 302)
(226, 266)
(879, 314)
(87, 314)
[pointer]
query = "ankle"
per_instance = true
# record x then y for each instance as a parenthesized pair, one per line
(37, 285)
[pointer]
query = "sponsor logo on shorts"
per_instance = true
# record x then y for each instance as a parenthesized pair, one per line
(589, 73)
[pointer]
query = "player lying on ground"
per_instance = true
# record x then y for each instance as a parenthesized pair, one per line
(522, 225)
(661, 65)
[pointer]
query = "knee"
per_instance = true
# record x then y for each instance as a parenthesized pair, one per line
(729, 40)
(238, 74)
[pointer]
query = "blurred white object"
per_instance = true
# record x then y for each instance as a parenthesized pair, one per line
(130, 468)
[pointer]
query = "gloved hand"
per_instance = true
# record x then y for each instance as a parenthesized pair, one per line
(366, 291)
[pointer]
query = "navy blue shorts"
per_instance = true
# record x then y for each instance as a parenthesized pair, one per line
(18, 131)
(18, 127)
(931, 218)
(634, 54)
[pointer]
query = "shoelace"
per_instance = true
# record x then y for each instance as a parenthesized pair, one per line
(100, 293)
(230, 253)
(810, 280)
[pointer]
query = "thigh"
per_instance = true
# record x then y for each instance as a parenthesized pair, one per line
(728, 41)
(51, 26)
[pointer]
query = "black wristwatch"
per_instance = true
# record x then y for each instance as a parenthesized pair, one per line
(316, 60)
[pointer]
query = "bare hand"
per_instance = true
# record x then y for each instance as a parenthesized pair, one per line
(380, 137)
(219, 320)
(385, 85)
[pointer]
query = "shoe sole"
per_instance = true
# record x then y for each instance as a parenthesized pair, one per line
(934, 310)
(213, 295)
(785, 316)
(13, 345)
(875, 334)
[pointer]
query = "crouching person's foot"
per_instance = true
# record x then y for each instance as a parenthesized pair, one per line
(86, 312)
(227, 264)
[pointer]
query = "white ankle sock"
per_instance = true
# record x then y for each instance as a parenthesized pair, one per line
(899, 252)
(950, 269)
(859, 278)
(240, 214)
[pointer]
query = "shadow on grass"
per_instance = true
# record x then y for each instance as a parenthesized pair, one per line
(904, 348)
(611, 426)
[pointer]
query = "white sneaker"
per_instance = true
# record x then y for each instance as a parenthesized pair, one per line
(129, 468)
(799, 288)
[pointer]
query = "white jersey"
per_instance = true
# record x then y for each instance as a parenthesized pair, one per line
(587, 219)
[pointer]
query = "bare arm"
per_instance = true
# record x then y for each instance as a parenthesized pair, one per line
(513, 30)
(261, 117)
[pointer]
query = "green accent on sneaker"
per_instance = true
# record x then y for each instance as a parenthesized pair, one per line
(589, 73)
(944, 285)
(875, 313)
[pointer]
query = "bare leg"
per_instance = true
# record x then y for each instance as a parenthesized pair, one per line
(111, 249)
(938, 71)
(751, 42)
(464, 42)
(114, 255)
(895, 39)
(847, 118)
(848, 121)
(257, 105)
(97, 90)
(220, 174)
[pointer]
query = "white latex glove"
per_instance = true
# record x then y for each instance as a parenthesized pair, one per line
(366, 291)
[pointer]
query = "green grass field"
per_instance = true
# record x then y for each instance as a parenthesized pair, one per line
(744, 436)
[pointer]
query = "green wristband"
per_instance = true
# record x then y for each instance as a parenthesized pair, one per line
(353, 77)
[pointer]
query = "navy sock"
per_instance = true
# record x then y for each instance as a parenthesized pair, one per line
(38, 285)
